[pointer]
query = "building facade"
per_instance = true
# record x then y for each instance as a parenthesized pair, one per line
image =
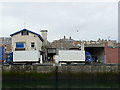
(112, 54)
(6, 43)
(26, 40)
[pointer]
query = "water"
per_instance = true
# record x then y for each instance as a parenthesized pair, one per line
(60, 80)
(61, 84)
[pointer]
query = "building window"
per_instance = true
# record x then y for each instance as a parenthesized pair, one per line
(25, 33)
(32, 44)
(19, 45)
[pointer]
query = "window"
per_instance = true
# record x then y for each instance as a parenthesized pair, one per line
(25, 33)
(32, 44)
(19, 45)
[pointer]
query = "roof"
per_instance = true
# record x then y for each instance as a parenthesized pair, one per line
(28, 31)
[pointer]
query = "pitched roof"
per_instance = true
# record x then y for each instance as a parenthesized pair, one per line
(28, 31)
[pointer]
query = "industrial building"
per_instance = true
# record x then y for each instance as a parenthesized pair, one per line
(97, 52)
(102, 51)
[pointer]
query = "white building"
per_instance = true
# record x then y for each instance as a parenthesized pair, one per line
(26, 40)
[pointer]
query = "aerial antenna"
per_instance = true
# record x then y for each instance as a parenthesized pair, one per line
(108, 38)
(24, 25)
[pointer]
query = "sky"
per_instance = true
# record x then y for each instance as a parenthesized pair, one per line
(92, 20)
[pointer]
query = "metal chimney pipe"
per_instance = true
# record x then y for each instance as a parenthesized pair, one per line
(82, 46)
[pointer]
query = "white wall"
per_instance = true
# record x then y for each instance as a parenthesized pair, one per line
(27, 39)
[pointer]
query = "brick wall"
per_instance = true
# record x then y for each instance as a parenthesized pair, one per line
(112, 55)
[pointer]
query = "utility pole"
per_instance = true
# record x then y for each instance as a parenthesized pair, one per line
(108, 38)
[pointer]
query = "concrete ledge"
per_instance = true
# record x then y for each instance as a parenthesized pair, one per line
(47, 69)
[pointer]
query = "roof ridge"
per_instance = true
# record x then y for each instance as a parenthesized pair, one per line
(28, 31)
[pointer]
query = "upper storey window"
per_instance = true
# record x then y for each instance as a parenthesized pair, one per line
(24, 33)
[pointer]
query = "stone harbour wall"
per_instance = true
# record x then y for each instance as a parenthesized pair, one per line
(47, 69)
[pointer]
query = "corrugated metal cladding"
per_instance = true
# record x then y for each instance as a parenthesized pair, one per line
(112, 55)
(1, 53)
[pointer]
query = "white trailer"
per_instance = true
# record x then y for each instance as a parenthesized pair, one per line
(69, 56)
(26, 57)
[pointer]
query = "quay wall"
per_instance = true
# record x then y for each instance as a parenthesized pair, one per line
(72, 69)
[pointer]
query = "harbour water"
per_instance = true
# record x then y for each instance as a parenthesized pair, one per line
(60, 80)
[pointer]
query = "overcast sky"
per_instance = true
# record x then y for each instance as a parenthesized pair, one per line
(93, 20)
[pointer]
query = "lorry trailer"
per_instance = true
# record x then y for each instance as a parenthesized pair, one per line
(73, 56)
(23, 57)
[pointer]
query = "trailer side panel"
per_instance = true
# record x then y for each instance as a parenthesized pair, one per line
(72, 55)
(26, 56)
